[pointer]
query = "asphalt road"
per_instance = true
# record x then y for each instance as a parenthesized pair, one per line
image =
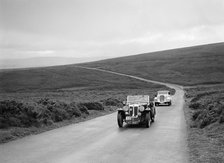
(100, 140)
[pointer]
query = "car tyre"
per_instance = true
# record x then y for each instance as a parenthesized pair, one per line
(170, 103)
(120, 119)
(148, 119)
(153, 118)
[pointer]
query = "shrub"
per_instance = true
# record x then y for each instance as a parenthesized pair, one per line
(14, 121)
(195, 115)
(221, 119)
(195, 105)
(112, 102)
(93, 106)
(3, 122)
(42, 112)
(73, 109)
(198, 96)
(44, 101)
(82, 108)
(205, 121)
(25, 120)
(211, 112)
(59, 114)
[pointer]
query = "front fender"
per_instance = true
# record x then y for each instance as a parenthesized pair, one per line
(148, 109)
(120, 109)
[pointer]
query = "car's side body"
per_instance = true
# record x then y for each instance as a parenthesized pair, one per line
(163, 97)
(138, 109)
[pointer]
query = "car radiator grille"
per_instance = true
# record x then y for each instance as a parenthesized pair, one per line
(162, 98)
(133, 111)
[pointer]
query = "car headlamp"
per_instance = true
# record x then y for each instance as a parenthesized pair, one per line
(125, 108)
(141, 108)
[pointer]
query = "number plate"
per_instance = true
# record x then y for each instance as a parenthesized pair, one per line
(128, 118)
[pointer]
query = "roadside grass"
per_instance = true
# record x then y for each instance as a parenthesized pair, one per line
(199, 65)
(13, 133)
(205, 120)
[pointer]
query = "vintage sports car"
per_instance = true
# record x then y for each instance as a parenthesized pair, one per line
(137, 110)
(163, 97)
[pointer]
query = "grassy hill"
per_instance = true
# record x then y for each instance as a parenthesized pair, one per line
(64, 78)
(186, 66)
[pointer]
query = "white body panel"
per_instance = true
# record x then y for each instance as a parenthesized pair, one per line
(163, 97)
(138, 99)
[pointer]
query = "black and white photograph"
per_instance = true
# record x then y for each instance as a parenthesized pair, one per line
(111, 81)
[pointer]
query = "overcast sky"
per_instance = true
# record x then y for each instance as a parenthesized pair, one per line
(106, 28)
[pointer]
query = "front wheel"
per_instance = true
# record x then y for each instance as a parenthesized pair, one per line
(148, 119)
(153, 118)
(120, 119)
(170, 103)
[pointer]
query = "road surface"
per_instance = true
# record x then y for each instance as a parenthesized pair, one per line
(100, 140)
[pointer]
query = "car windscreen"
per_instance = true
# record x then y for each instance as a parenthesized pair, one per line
(163, 92)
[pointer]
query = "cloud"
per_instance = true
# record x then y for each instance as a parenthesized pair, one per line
(41, 52)
(22, 45)
(146, 39)
(106, 28)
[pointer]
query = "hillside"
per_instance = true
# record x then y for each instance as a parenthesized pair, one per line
(64, 78)
(186, 66)
(42, 61)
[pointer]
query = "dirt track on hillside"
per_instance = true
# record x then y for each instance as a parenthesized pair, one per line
(100, 140)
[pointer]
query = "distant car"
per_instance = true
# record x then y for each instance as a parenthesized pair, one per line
(137, 110)
(163, 97)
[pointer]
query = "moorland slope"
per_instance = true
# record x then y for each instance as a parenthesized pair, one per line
(185, 66)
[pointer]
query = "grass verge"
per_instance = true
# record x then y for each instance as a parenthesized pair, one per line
(18, 119)
(205, 120)
(14, 133)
